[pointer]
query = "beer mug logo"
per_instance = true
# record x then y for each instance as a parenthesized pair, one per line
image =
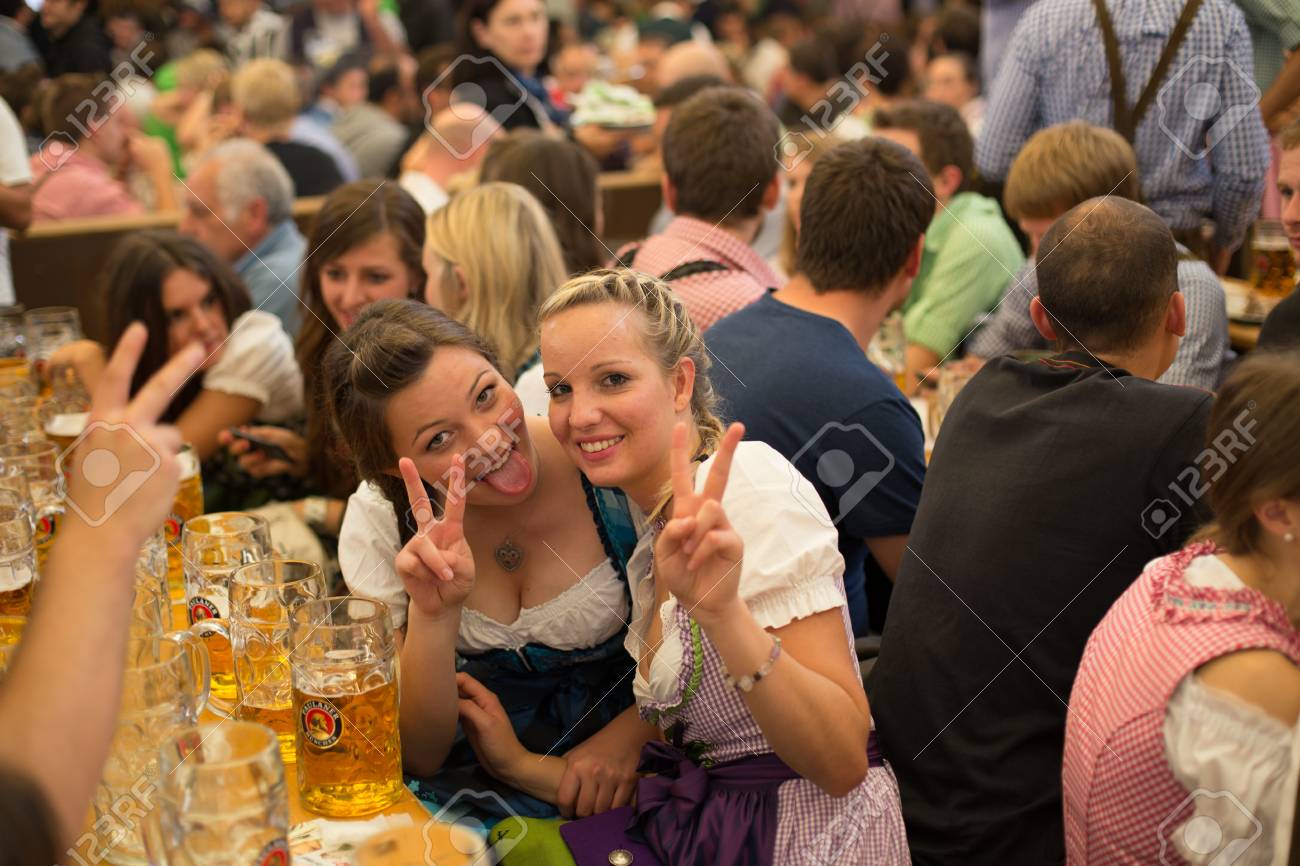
(172, 526)
(202, 608)
(321, 724)
(276, 853)
(45, 527)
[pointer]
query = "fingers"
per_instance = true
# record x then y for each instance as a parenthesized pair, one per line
(435, 560)
(410, 567)
(473, 714)
(674, 534)
(624, 793)
(566, 796)
(115, 385)
(475, 691)
(421, 508)
(453, 512)
(683, 482)
(720, 471)
(587, 795)
(156, 395)
(709, 517)
(722, 543)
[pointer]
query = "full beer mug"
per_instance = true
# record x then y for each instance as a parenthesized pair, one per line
(17, 557)
(164, 688)
(345, 706)
(36, 461)
(11, 635)
(222, 799)
(262, 595)
(212, 547)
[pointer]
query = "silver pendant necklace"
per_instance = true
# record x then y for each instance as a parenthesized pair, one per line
(509, 556)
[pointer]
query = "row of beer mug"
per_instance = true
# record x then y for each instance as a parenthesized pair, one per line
(318, 673)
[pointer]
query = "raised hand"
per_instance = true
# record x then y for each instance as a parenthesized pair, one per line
(698, 553)
(436, 565)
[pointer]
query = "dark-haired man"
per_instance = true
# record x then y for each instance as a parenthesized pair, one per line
(70, 38)
(793, 366)
(720, 176)
(970, 251)
(1052, 484)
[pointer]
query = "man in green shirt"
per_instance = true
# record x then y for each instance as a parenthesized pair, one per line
(970, 253)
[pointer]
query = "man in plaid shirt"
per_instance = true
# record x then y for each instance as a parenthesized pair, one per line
(1201, 147)
(720, 176)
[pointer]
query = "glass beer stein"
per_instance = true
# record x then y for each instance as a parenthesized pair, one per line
(262, 596)
(345, 700)
(11, 635)
(222, 799)
(212, 547)
(188, 503)
(37, 462)
(17, 559)
(164, 688)
(49, 328)
(153, 601)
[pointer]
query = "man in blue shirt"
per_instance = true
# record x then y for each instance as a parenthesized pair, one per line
(1201, 146)
(793, 365)
(239, 202)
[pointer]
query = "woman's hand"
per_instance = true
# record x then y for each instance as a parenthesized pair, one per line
(85, 358)
(488, 729)
(698, 554)
(600, 773)
(436, 565)
(256, 463)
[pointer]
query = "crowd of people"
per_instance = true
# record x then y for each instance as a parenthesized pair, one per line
(675, 558)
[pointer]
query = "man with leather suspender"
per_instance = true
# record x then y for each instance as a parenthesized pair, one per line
(1173, 77)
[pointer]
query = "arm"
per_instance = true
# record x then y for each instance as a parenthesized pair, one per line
(85, 357)
(888, 553)
(151, 155)
(16, 206)
(497, 748)
(922, 364)
(256, 463)
(209, 414)
(1238, 143)
(372, 19)
(1009, 328)
(600, 773)
(1012, 113)
(1284, 90)
(65, 683)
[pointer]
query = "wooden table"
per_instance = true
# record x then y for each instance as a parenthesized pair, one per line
(1243, 335)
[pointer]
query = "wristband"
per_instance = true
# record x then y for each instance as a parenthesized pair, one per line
(747, 683)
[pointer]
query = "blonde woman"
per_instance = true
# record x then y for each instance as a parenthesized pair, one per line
(492, 258)
(739, 640)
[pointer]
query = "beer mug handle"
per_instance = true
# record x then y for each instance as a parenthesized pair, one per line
(151, 833)
(192, 637)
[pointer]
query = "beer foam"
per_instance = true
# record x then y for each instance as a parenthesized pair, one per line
(189, 464)
(69, 426)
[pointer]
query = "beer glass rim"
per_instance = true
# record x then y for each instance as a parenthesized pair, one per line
(241, 574)
(181, 653)
(379, 614)
(205, 731)
(255, 522)
(54, 313)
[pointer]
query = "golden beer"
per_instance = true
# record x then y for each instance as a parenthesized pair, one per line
(349, 750)
(1274, 260)
(16, 601)
(278, 719)
(11, 634)
(188, 503)
(15, 370)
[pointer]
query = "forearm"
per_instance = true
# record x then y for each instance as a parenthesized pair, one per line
(160, 178)
(380, 38)
(60, 689)
(793, 700)
(16, 207)
(536, 775)
(428, 718)
(1284, 90)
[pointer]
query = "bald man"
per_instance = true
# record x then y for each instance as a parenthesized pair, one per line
(455, 143)
(688, 60)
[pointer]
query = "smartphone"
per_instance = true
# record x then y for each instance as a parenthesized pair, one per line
(270, 449)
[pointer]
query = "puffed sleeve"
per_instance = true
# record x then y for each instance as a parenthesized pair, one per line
(792, 567)
(258, 362)
(368, 544)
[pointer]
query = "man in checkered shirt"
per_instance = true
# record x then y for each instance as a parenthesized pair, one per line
(720, 176)
(1202, 149)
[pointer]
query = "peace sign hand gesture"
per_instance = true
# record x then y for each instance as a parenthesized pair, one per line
(698, 553)
(436, 565)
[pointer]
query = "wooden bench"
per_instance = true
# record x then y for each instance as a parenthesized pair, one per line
(61, 263)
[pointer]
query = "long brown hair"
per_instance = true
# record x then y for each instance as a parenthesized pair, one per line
(564, 177)
(352, 215)
(1254, 431)
(392, 344)
(133, 279)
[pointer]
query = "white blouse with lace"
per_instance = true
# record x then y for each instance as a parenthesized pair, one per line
(791, 565)
(1216, 742)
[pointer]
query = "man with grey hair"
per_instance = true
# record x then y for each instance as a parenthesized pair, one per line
(239, 203)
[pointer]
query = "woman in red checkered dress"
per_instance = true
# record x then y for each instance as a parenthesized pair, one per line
(1183, 714)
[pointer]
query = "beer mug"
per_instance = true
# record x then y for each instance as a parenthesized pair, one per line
(888, 350)
(262, 595)
(1273, 271)
(63, 420)
(11, 331)
(222, 799)
(11, 634)
(164, 688)
(188, 503)
(345, 701)
(951, 381)
(49, 328)
(151, 585)
(212, 547)
(19, 421)
(17, 560)
(16, 377)
(36, 461)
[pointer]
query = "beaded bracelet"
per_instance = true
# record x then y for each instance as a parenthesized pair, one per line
(747, 683)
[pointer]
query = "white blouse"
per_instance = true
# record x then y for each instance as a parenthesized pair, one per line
(791, 570)
(258, 362)
(582, 616)
(1215, 742)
